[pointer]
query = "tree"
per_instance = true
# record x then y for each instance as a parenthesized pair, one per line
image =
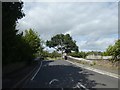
(82, 54)
(110, 50)
(15, 46)
(117, 50)
(78, 54)
(32, 38)
(114, 50)
(11, 12)
(45, 54)
(104, 53)
(63, 43)
(55, 54)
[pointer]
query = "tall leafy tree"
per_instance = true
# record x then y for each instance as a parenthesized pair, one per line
(114, 50)
(63, 43)
(117, 51)
(11, 12)
(34, 41)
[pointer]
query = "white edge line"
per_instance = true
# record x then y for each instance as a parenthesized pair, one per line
(36, 72)
(95, 70)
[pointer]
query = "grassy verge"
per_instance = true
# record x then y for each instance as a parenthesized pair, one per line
(101, 64)
(57, 58)
(107, 64)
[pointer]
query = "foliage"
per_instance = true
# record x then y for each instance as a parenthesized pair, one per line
(94, 52)
(54, 54)
(78, 54)
(114, 50)
(105, 53)
(63, 43)
(15, 46)
(74, 54)
(32, 38)
(83, 54)
(45, 54)
(11, 12)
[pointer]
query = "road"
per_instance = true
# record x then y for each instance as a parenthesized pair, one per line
(62, 74)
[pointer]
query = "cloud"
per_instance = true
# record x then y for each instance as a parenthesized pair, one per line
(98, 45)
(93, 25)
(71, 0)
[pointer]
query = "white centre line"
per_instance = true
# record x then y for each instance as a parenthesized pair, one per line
(37, 72)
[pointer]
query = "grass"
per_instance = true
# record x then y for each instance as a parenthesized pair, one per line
(57, 58)
(101, 64)
(106, 64)
(81, 62)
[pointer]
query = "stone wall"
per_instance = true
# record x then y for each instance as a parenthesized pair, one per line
(98, 57)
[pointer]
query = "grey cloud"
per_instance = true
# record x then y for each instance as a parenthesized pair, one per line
(100, 44)
(88, 22)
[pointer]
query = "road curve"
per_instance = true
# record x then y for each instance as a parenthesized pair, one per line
(62, 74)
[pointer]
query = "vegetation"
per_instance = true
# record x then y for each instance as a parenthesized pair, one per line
(11, 41)
(15, 46)
(34, 41)
(84, 54)
(63, 43)
(54, 54)
(94, 52)
(78, 54)
(113, 50)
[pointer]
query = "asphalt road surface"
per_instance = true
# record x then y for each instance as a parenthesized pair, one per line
(62, 74)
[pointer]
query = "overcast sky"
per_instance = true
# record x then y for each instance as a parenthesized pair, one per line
(94, 26)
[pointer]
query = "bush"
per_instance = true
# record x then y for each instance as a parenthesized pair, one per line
(79, 54)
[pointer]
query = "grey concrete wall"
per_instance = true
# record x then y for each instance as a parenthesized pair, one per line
(98, 57)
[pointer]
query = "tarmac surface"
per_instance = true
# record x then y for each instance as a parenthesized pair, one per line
(62, 74)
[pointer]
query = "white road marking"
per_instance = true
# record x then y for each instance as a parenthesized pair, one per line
(82, 86)
(95, 70)
(53, 81)
(81, 72)
(79, 85)
(36, 72)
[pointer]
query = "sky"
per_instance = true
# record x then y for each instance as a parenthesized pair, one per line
(93, 25)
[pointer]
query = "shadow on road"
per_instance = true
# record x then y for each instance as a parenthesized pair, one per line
(69, 76)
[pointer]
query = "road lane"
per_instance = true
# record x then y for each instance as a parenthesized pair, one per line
(37, 71)
(66, 75)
